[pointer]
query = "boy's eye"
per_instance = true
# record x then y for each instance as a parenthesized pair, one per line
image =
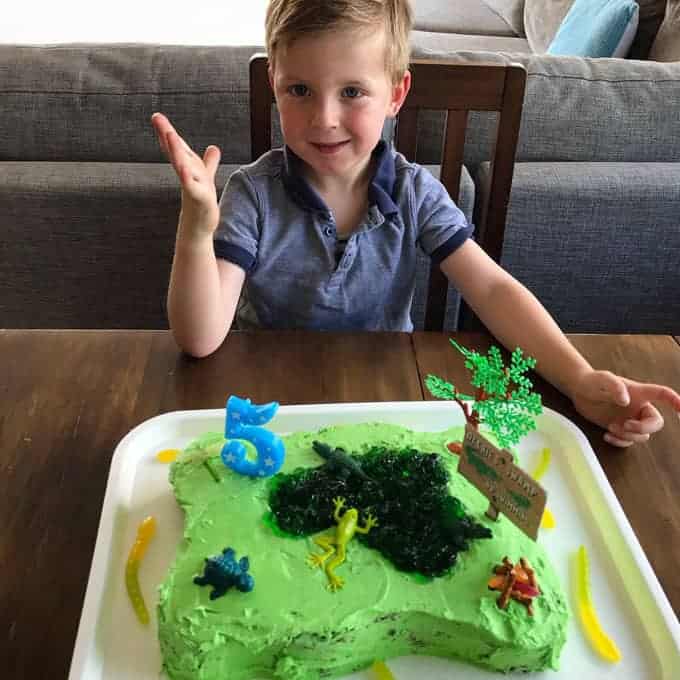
(351, 92)
(298, 90)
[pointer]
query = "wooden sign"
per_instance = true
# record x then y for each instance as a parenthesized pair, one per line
(509, 489)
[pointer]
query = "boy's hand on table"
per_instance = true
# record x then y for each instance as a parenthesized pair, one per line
(622, 407)
(200, 211)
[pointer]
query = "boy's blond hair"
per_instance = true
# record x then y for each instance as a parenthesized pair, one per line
(288, 20)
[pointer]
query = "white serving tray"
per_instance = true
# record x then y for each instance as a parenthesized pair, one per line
(629, 601)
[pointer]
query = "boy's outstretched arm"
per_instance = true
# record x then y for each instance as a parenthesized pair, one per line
(203, 292)
(513, 314)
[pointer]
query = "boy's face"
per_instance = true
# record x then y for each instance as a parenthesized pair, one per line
(334, 93)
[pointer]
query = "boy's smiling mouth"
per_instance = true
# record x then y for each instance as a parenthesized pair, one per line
(329, 148)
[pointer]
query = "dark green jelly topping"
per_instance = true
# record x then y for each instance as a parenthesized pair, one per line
(421, 527)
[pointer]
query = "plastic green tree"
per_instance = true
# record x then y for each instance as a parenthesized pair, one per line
(504, 402)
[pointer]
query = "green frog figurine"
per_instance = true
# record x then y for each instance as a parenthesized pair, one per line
(336, 543)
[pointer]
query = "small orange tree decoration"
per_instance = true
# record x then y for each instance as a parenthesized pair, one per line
(504, 402)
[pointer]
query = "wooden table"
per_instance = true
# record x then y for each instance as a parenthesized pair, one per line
(68, 397)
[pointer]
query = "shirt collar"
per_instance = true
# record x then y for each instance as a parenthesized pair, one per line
(380, 188)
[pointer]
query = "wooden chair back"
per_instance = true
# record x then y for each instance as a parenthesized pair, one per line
(457, 89)
(261, 101)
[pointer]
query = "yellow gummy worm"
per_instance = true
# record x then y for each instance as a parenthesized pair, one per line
(599, 640)
(548, 519)
(145, 532)
(542, 466)
(381, 671)
(167, 455)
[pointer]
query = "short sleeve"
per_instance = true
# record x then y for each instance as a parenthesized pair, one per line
(237, 236)
(442, 226)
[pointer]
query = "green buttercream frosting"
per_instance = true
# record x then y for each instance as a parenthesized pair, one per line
(292, 627)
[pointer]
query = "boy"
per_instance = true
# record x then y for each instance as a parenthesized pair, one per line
(323, 233)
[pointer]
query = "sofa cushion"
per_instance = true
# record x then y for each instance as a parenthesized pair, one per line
(88, 245)
(425, 43)
(94, 102)
(542, 18)
(577, 110)
(472, 17)
(597, 243)
(666, 47)
(596, 28)
(650, 18)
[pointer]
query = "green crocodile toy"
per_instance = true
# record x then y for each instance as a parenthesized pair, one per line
(340, 461)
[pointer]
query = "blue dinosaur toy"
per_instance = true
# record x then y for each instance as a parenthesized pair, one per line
(223, 572)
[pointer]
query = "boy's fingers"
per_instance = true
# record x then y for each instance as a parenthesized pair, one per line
(178, 150)
(624, 435)
(653, 392)
(161, 122)
(638, 429)
(663, 393)
(161, 140)
(188, 165)
(211, 158)
(166, 131)
(162, 126)
(185, 169)
(649, 420)
(173, 150)
(180, 145)
(615, 441)
(644, 426)
(172, 143)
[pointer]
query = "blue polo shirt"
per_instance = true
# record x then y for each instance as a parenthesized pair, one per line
(276, 227)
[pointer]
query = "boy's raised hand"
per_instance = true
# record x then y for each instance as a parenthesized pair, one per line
(622, 407)
(200, 212)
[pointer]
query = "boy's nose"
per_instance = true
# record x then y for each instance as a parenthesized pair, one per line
(325, 113)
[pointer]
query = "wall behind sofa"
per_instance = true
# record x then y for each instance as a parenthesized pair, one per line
(208, 22)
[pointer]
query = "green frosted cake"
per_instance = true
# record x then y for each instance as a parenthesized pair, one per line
(297, 623)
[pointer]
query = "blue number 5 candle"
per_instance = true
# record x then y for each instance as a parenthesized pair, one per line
(242, 422)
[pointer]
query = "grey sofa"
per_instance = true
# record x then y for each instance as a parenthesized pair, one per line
(88, 205)
(593, 225)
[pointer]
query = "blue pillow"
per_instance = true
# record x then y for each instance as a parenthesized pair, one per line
(597, 28)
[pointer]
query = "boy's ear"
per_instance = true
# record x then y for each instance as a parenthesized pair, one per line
(270, 74)
(399, 92)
